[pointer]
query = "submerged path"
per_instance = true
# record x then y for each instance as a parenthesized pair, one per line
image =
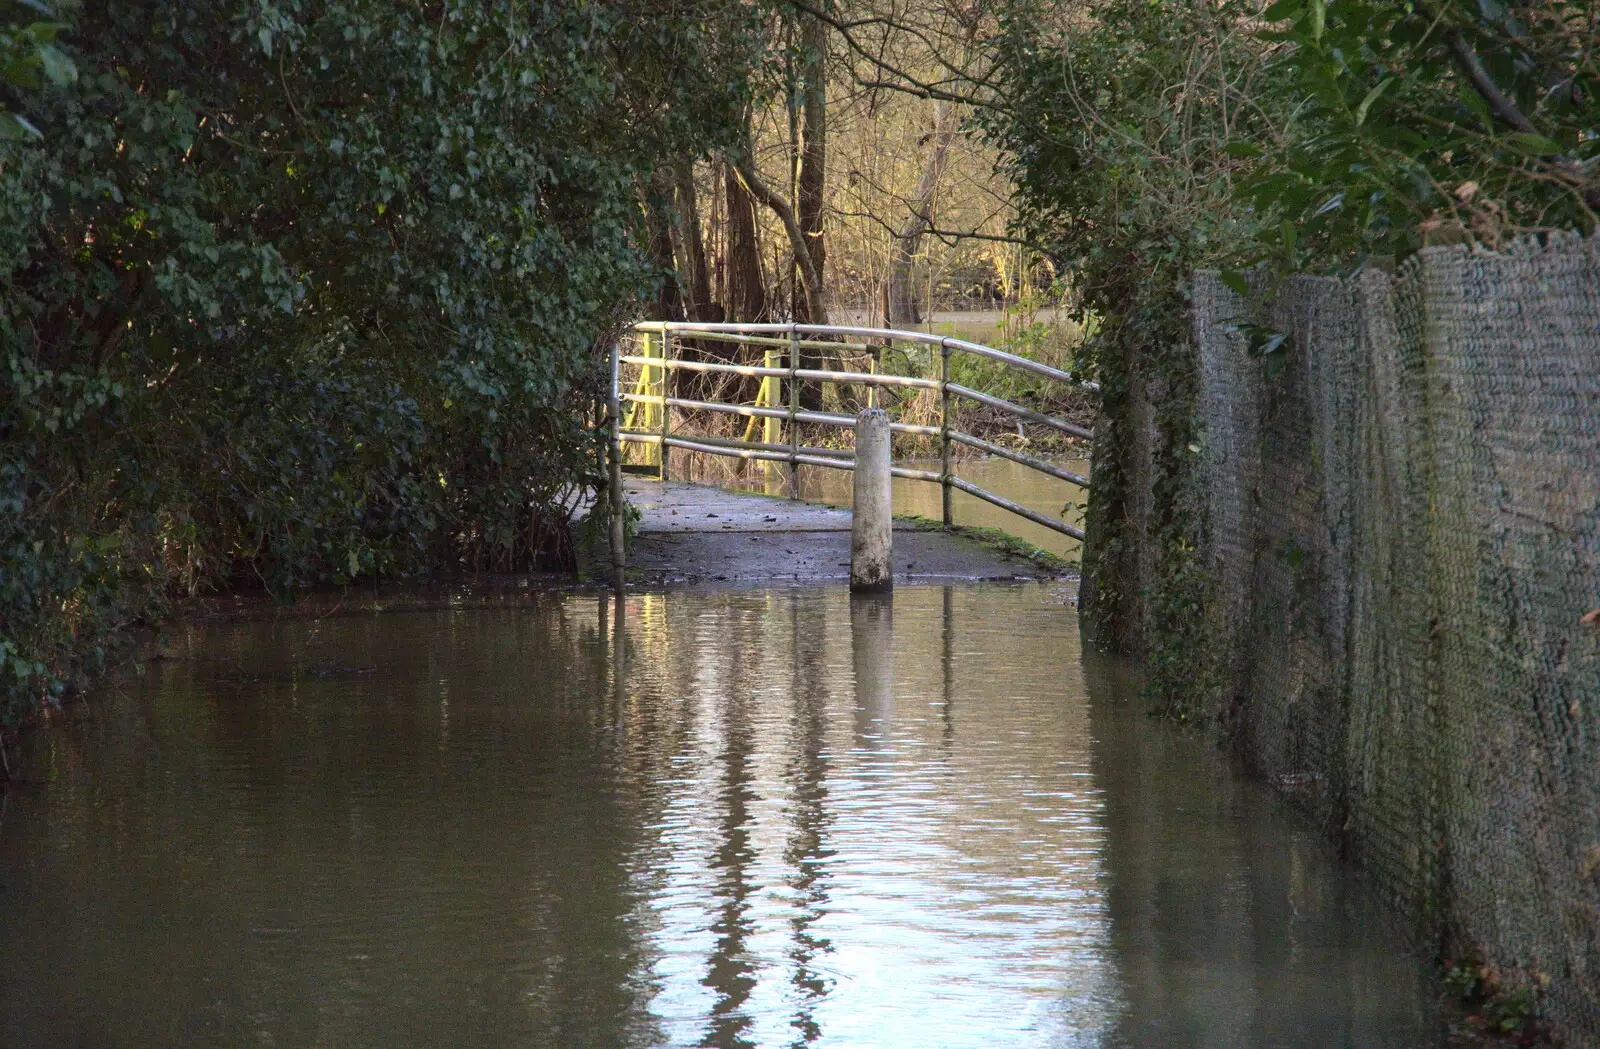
(693, 533)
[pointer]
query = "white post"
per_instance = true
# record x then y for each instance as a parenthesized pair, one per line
(872, 529)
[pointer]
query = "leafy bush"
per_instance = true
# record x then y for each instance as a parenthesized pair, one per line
(1426, 122)
(1148, 138)
(303, 292)
(1115, 128)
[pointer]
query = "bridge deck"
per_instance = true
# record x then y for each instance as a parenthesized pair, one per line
(691, 533)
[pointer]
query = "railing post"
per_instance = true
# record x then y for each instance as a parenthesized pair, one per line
(944, 430)
(872, 509)
(619, 556)
(666, 385)
(771, 428)
(794, 410)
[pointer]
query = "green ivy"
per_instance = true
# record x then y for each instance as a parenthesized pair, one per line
(1115, 137)
(1424, 122)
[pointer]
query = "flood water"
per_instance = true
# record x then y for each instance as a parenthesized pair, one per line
(727, 818)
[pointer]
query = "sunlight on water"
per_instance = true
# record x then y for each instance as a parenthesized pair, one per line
(740, 818)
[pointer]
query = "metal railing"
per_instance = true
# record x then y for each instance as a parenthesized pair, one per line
(777, 406)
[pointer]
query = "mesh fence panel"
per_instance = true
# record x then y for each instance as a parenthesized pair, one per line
(1403, 519)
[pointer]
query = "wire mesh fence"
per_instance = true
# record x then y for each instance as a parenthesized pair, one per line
(1402, 515)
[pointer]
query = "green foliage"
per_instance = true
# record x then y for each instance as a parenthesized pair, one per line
(28, 60)
(1116, 130)
(1149, 138)
(1039, 342)
(298, 293)
(1415, 122)
(1497, 1005)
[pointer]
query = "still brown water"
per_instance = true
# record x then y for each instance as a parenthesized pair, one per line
(737, 818)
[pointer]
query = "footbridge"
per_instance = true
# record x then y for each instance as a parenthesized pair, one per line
(755, 392)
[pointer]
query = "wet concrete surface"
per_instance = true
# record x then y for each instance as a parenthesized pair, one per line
(691, 533)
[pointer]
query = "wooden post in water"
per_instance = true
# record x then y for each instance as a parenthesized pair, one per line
(872, 525)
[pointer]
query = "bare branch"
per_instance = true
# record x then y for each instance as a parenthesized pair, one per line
(780, 207)
(907, 83)
(949, 236)
(1503, 108)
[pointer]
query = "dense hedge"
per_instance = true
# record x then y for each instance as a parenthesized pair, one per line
(301, 291)
(1148, 138)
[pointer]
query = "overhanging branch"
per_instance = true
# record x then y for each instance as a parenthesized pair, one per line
(780, 207)
(904, 82)
(949, 236)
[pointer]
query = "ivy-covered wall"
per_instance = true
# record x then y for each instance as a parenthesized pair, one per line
(1144, 585)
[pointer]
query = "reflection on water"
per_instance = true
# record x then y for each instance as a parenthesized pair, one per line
(786, 818)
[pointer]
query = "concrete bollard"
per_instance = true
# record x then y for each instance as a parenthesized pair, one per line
(872, 529)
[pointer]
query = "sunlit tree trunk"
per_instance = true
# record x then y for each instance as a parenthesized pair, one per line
(901, 308)
(810, 183)
(810, 179)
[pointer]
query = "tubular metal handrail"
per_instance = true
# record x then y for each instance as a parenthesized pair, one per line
(652, 394)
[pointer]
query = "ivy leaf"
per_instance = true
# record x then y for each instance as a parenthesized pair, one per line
(58, 67)
(1534, 145)
(1265, 344)
(1333, 203)
(1236, 281)
(21, 72)
(1372, 96)
(15, 126)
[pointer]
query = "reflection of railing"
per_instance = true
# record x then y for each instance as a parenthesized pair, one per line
(650, 402)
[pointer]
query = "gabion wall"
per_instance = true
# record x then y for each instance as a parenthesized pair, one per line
(1402, 512)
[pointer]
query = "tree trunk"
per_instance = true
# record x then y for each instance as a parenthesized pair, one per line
(747, 289)
(900, 299)
(691, 250)
(816, 302)
(658, 223)
(810, 183)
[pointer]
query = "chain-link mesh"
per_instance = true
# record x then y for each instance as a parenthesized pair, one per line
(1403, 518)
